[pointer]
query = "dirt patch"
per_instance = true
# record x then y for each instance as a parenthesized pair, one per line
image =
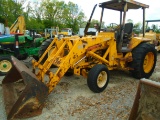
(72, 99)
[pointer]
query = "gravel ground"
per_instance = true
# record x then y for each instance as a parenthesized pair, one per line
(72, 99)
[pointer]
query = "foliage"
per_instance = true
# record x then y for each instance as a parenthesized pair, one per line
(54, 13)
(10, 10)
(157, 30)
(138, 25)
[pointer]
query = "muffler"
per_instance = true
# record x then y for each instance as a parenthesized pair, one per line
(24, 95)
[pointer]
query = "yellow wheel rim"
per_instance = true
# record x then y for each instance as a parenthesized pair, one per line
(148, 62)
(5, 65)
(102, 79)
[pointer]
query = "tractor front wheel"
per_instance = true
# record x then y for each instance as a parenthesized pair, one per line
(5, 65)
(98, 78)
(144, 60)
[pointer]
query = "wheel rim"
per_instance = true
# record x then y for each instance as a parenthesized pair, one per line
(148, 62)
(5, 66)
(102, 79)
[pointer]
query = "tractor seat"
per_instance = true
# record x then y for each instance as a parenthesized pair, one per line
(128, 27)
(127, 36)
(128, 30)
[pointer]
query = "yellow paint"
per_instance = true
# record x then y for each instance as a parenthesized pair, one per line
(148, 62)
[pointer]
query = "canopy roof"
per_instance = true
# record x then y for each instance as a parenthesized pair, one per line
(118, 4)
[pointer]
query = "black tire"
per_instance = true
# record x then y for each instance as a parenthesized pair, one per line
(141, 68)
(93, 75)
(5, 65)
(43, 48)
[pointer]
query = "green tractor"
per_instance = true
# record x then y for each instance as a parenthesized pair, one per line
(20, 46)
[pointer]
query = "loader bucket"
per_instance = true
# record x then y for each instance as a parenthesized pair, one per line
(24, 95)
(146, 105)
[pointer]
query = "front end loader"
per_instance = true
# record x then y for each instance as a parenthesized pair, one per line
(90, 56)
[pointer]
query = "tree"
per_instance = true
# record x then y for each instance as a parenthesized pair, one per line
(33, 17)
(73, 16)
(52, 12)
(44, 14)
(58, 13)
(10, 10)
(137, 25)
(98, 22)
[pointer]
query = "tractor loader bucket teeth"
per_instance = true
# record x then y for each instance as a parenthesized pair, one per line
(24, 95)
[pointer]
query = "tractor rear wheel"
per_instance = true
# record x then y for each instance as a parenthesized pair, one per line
(98, 78)
(144, 60)
(5, 64)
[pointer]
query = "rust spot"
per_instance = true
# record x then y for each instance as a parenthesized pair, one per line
(128, 59)
(94, 47)
(57, 60)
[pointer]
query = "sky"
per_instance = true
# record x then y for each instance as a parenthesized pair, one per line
(110, 16)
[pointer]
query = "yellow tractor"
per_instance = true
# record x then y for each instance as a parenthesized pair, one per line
(93, 57)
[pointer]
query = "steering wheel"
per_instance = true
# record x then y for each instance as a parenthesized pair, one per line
(114, 26)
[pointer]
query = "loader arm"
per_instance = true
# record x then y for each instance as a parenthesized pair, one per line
(66, 56)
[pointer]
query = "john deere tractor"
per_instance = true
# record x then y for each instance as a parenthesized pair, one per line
(19, 46)
(25, 91)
